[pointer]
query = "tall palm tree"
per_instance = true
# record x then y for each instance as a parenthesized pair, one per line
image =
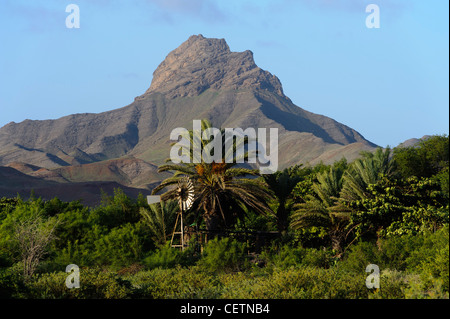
(282, 184)
(223, 190)
(322, 207)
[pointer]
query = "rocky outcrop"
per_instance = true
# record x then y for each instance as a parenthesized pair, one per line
(200, 64)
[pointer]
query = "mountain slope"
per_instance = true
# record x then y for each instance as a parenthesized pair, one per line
(13, 182)
(200, 79)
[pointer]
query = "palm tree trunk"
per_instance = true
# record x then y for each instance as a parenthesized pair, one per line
(336, 237)
(336, 243)
(212, 222)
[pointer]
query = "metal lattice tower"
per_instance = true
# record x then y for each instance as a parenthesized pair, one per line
(185, 198)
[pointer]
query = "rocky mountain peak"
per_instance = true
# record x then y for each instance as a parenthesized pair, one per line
(203, 63)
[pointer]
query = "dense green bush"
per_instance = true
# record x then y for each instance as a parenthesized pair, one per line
(223, 255)
(177, 282)
(296, 283)
(360, 255)
(165, 257)
(94, 284)
(425, 159)
(431, 259)
(394, 252)
(413, 264)
(11, 283)
(168, 257)
(120, 247)
(287, 256)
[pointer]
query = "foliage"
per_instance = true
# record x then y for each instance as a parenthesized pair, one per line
(397, 207)
(223, 255)
(431, 260)
(443, 179)
(116, 210)
(365, 171)
(94, 284)
(281, 184)
(120, 247)
(322, 208)
(160, 218)
(297, 283)
(7, 205)
(424, 160)
(387, 208)
(26, 233)
(168, 257)
(176, 282)
(222, 190)
(286, 256)
(11, 283)
(423, 259)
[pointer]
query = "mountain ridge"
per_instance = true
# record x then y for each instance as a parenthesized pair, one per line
(202, 78)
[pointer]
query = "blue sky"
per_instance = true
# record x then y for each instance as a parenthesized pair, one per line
(390, 84)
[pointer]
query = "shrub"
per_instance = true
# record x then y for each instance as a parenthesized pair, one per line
(395, 251)
(121, 247)
(295, 283)
(177, 282)
(431, 259)
(392, 285)
(94, 284)
(165, 257)
(11, 283)
(223, 255)
(282, 258)
(359, 256)
(316, 258)
(288, 256)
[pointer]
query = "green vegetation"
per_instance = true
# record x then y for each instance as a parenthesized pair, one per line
(311, 238)
(224, 191)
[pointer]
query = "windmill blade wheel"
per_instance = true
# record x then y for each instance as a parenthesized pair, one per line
(185, 193)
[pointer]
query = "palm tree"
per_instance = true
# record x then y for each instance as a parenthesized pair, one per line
(223, 191)
(161, 219)
(322, 208)
(282, 184)
(371, 169)
(365, 171)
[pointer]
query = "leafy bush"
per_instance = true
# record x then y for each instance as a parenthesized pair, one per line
(177, 282)
(283, 257)
(415, 266)
(165, 257)
(11, 283)
(94, 284)
(296, 283)
(120, 247)
(288, 256)
(115, 211)
(316, 258)
(395, 251)
(359, 256)
(431, 259)
(223, 255)
(168, 257)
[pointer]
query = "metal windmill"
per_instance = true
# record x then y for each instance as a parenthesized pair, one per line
(185, 194)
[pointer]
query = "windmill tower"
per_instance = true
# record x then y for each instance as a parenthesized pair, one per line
(185, 196)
